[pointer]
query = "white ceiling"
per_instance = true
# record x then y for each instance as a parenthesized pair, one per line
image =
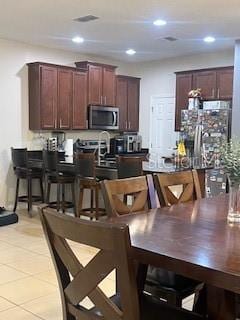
(123, 24)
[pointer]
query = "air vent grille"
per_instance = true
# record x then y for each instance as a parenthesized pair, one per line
(86, 18)
(171, 39)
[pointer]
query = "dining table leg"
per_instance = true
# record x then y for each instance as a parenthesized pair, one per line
(221, 304)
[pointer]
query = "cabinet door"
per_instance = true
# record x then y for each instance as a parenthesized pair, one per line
(109, 85)
(48, 97)
(79, 120)
(183, 86)
(95, 78)
(65, 91)
(122, 102)
(207, 81)
(225, 83)
(133, 104)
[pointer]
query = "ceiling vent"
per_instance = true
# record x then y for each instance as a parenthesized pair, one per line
(86, 18)
(171, 39)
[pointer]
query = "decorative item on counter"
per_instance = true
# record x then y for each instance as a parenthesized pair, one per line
(230, 154)
(180, 158)
(194, 99)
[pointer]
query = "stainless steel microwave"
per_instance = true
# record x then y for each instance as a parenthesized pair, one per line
(103, 117)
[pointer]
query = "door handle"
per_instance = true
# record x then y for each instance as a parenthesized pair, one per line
(114, 119)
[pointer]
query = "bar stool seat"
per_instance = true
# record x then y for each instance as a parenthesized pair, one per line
(88, 181)
(23, 171)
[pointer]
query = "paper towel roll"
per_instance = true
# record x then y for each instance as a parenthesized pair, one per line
(68, 148)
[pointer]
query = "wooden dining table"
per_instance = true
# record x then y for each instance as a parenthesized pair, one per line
(195, 240)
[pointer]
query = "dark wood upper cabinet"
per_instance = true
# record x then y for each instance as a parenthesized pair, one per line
(95, 80)
(122, 101)
(225, 83)
(57, 97)
(79, 114)
(133, 104)
(48, 98)
(183, 86)
(206, 80)
(65, 92)
(101, 82)
(109, 86)
(127, 99)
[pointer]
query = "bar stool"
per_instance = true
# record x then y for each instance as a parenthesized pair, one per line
(54, 176)
(128, 167)
(88, 181)
(24, 171)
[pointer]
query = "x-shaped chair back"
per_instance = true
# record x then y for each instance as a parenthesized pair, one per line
(187, 179)
(77, 282)
(115, 194)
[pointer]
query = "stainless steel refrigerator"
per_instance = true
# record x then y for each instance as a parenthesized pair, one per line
(204, 131)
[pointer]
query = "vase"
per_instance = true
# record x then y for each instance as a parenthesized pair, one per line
(234, 201)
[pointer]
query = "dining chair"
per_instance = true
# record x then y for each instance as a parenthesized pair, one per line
(189, 182)
(115, 194)
(159, 282)
(76, 282)
(24, 171)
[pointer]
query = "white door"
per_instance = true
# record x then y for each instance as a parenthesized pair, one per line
(162, 134)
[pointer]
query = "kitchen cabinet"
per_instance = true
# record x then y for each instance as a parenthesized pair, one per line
(224, 84)
(57, 97)
(127, 99)
(183, 86)
(216, 84)
(206, 80)
(101, 82)
(79, 114)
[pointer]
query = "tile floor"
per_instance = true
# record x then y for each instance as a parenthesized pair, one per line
(28, 286)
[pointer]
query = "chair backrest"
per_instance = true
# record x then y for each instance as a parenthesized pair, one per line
(187, 179)
(115, 194)
(85, 164)
(19, 157)
(76, 281)
(129, 166)
(50, 160)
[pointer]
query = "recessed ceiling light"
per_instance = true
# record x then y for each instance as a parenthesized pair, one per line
(77, 40)
(209, 39)
(131, 52)
(159, 22)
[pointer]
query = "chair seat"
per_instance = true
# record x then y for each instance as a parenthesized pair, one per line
(60, 178)
(169, 280)
(24, 173)
(154, 309)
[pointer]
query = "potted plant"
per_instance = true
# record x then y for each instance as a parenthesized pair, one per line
(230, 153)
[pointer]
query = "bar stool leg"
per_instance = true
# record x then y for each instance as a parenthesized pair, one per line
(41, 189)
(48, 192)
(73, 198)
(80, 201)
(92, 202)
(58, 196)
(29, 195)
(96, 203)
(63, 198)
(16, 196)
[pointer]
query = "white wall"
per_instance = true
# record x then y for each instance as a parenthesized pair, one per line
(14, 101)
(158, 78)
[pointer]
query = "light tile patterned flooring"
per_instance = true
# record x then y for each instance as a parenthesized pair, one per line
(28, 285)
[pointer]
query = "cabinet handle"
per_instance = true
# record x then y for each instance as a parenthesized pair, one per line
(213, 92)
(87, 124)
(105, 100)
(129, 125)
(101, 100)
(55, 124)
(126, 125)
(218, 93)
(60, 123)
